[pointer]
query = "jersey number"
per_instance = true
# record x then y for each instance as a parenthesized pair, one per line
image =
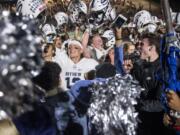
(70, 81)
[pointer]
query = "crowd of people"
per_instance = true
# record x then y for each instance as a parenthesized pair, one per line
(84, 41)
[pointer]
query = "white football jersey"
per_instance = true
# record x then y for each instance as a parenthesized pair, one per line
(59, 53)
(72, 72)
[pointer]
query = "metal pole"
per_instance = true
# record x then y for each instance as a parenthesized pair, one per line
(167, 15)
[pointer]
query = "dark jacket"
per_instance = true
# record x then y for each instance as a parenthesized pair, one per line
(146, 73)
(52, 117)
(150, 108)
(65, 115)
(36, 122)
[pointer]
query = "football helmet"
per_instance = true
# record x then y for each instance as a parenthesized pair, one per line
(98, 5)
(77, 11)
(110, 38)
(61, 19)
(101, 12)
(31, 8)
(49, 33)
(144, 22)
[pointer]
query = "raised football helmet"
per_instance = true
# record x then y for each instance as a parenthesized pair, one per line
(101, 13)
(62, 20)
(144, 22)
(77, 12)
(31, 8)
(49, 33)
(110, 38)
(98, 10)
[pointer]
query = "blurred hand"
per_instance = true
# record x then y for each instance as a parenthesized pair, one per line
(127, 65)
(167, 120)
(77, 33)
(173, 100)
(118, 32)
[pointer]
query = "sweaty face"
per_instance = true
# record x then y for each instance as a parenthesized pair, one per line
(97, 42)
(74, 51)
(145, 49)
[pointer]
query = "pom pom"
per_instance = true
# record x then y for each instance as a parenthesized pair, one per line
(112, 106)
(20, 60)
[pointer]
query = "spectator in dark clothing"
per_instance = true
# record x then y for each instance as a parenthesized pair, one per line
(51, 117)
(39, 120)
(149, 106)
(36, 122)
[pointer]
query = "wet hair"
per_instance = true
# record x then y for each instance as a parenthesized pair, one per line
(49, 76)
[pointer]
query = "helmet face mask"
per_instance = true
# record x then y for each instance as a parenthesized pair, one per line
(73, 15)
(49, 33)
(77, 12)
(82, 18)
(98, 16)
(102, 12)
(50, 38)
(62, 28)
(109, 38)
(150, 28)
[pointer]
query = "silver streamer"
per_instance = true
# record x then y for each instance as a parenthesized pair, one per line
(112, 108)
(20, 60)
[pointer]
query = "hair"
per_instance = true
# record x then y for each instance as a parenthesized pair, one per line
(154, 40)
(49, 76)
(63, 37)
(105, 70)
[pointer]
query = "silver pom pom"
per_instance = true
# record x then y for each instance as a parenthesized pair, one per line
(19, 59)
(112, 107)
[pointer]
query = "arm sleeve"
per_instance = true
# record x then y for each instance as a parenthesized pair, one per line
(119, 59)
